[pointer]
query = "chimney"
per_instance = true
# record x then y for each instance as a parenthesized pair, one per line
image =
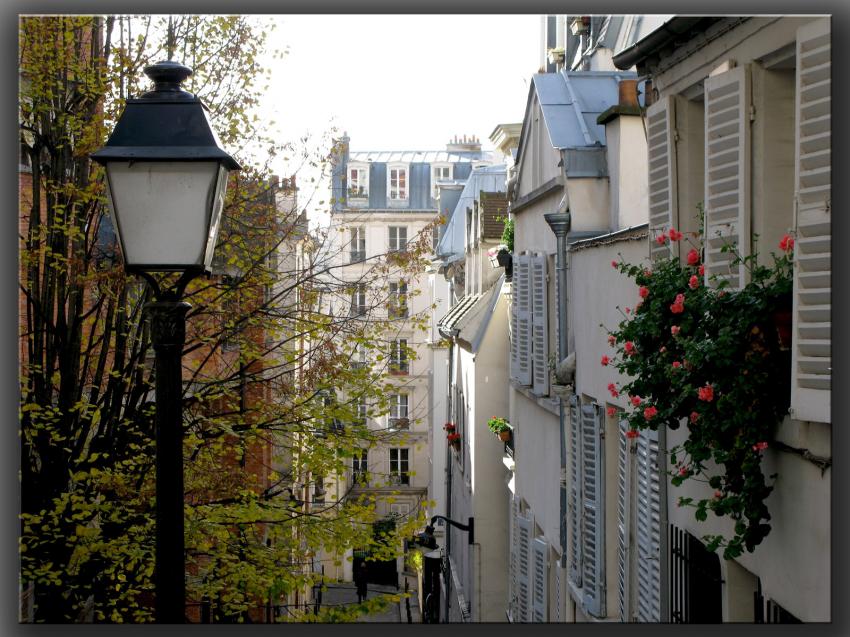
(467, 143)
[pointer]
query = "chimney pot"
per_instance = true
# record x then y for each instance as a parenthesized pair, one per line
(628, 93)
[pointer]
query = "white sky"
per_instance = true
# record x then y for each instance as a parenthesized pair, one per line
(400, 82)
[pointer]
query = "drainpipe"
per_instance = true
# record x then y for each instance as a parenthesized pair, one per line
(448, 570)
(559, 223)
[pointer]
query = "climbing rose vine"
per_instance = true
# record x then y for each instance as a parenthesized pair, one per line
(709, 359)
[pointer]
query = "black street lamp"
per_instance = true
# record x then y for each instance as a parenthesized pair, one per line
(166, 176)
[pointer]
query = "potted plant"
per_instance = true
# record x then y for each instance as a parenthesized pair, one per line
(500, 427)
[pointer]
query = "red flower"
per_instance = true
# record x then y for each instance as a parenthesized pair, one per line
(787, 243)
(611, 340)
(643, 291)
(693, 282)
(613, 389)
(611, 411)
(718, 495)
(683, 471)
(613, 264)
(453, 437)
(632, 433)
(449, 426)
(678, 305)
(677, 364)
(650, 412)
(636, 400)
(674, 329)
(693, 257)
(706, 393)
(675, 236)
(628, 310)
(701, 270)
(629, 347)
(661, 239)
(605, 360)
(694, 417)
(760, 446)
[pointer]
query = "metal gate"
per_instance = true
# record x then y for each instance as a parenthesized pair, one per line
(767, 611)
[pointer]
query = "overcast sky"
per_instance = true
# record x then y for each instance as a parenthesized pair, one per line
(396, 82)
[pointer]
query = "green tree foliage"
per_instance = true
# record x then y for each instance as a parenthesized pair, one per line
(261, 357)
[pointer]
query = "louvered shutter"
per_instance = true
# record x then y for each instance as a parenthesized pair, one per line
(727, 174)
(514, 563)
(812, 375)
(540, 325)
(624, 501)
(662, 182)
(648, 527)
(593, 521)
(558, 598)
(574, 509)
(524, 525)
(515, 285)
(540, 591)
(522, 301)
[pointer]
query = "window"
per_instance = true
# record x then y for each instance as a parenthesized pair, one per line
(398, 184)
(520, 577)
(585, 522)
(358, 300)
(398, 238)
(398, 357)
(358, 182)
(530, 323)
(696, 585)
(442, 172)
(397, 300)
(398, 412)
(357, 244)
(358, 356)
(399, 509)
(360, 467)
(319, 490)
(362, 410)
(399, 466)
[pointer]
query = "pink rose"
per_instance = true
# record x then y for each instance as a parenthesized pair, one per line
(675, 236)
(661, 239)
(693, 257)
(636, 400)
(650, 412)
(706, 393)
(787, 243)
(760, 446)
(643, 291)
(611, 340)
(605, 360)
(693, 282)
(674, 329)
(676, 364)
(632, 433)
(694, 417)
(701, 270)
(613, 389)
(613, 264)
(611, 411)
(629, 347)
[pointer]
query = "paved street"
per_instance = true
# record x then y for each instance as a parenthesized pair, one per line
(343, 593)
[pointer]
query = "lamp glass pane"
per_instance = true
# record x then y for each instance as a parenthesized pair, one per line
(163, 211)
(215, 219)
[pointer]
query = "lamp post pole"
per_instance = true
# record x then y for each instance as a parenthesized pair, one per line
(168, 334)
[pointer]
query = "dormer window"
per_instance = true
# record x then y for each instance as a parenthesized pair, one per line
(440, 173)
(397, 183)
(358, 182)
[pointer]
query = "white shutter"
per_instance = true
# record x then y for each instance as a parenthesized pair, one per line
(524, 571)
(522, 300)
(727, 174)
(648, 527)
(558, 597)
(540, 591)
(624, 503)
(574, 504)
(514, 563)
(540, 325)
(661, 149)
(812, 365)
(515, 285)
(593, 521)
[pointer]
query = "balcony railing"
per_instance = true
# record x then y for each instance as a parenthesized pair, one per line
(399, 478)
(399, 423)
(357, 256)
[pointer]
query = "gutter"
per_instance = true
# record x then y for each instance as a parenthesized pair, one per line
(667, 34)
